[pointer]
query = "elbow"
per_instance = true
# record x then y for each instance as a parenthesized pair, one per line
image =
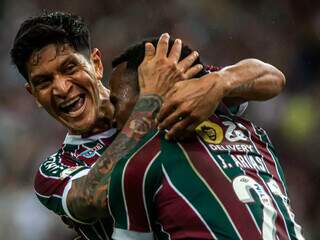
(279, 81)
(273, 76)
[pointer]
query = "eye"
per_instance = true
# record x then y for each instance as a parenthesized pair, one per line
(41, 83)
(70, 68)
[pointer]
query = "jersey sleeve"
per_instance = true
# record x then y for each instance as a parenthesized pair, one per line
(133, 184)
(53, 181)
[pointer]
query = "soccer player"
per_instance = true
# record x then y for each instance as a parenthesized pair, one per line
(64, 73)
(53, 53)
(225, 184)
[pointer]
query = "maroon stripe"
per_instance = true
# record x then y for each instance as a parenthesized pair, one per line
(270, 164)
(48, 186)
(263, 150)
(177, 217)
(133, 185)
(219, 184)
(65, 159)
(280, 224)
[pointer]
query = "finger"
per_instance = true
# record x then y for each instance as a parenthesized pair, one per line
(149, 51)
(194, 70)
(164, 112)
(188, 61)
(178, 127)
(175, 52)
(167, 107)
(162, 46)
(171, 119)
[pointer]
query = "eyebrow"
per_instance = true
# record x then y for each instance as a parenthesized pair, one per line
(65, 62)
(68, 60)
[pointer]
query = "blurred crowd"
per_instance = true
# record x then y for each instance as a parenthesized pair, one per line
(283, 33)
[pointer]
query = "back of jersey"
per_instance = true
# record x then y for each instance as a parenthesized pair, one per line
(227, 184)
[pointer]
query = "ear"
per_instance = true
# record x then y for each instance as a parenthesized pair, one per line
(96, 58)
(29, 90)
(28, 87)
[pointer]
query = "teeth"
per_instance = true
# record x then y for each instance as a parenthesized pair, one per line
(69, 103)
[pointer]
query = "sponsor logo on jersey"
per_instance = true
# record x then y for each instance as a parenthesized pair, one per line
(210, 132)
(89, 153)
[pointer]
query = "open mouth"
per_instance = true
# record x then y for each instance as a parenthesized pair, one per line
(73, 106)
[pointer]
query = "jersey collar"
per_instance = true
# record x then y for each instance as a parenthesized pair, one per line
(78, 139)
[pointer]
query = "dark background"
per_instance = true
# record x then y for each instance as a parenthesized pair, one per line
(283, 33)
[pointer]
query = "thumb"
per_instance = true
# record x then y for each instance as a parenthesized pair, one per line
(149, 51)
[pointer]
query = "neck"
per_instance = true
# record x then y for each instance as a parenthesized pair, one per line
(101, 125)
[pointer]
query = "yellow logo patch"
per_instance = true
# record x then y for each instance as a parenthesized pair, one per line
(210, 132)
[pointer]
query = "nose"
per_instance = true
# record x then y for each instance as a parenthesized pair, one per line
(62, 86)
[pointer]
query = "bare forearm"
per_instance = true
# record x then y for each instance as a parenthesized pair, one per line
(88, 196)
(252, 79)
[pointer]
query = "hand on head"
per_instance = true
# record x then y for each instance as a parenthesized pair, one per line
(160, 70)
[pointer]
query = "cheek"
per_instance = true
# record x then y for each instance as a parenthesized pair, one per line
(44, 99)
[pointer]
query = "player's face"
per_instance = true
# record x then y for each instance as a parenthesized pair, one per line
(122, 93)
(68, 85)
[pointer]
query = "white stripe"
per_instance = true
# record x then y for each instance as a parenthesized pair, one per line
(164, 231)
(143, 188)
(96, 232)
(45, 196)
(284, 188)
(186, 200)
(121, 234)
(210, 189)
(123, 174)
(265, 184)
(66, 191)
(84, 234)
(104, 230)
(158, 190)
(78, 139)
(276, 204)
(213, 159)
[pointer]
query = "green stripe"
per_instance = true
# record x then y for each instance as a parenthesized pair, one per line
(282, 208)
(279, 200)
(152, 183)
(270, 147)
(53, 203)
(159, 234)
(194, 190)
(89, 232)
(116, 200)
(233, 172)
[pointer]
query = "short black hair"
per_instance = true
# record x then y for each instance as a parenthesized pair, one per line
(46, 28)
(134, 55)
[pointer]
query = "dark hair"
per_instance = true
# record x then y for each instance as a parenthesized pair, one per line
(39, 31)
(134, 55)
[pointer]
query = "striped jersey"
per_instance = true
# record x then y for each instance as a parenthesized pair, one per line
(54, 177)
(74, 159)
(225, 184)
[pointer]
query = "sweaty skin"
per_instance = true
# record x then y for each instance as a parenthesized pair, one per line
(67, 86)
(86, 199)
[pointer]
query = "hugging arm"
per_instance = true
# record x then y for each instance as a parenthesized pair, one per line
(189, 102)
(87, 198)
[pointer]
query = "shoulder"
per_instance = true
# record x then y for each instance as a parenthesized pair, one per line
(52, 178)
(136, 162)
(133, 183)
(58, 166)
